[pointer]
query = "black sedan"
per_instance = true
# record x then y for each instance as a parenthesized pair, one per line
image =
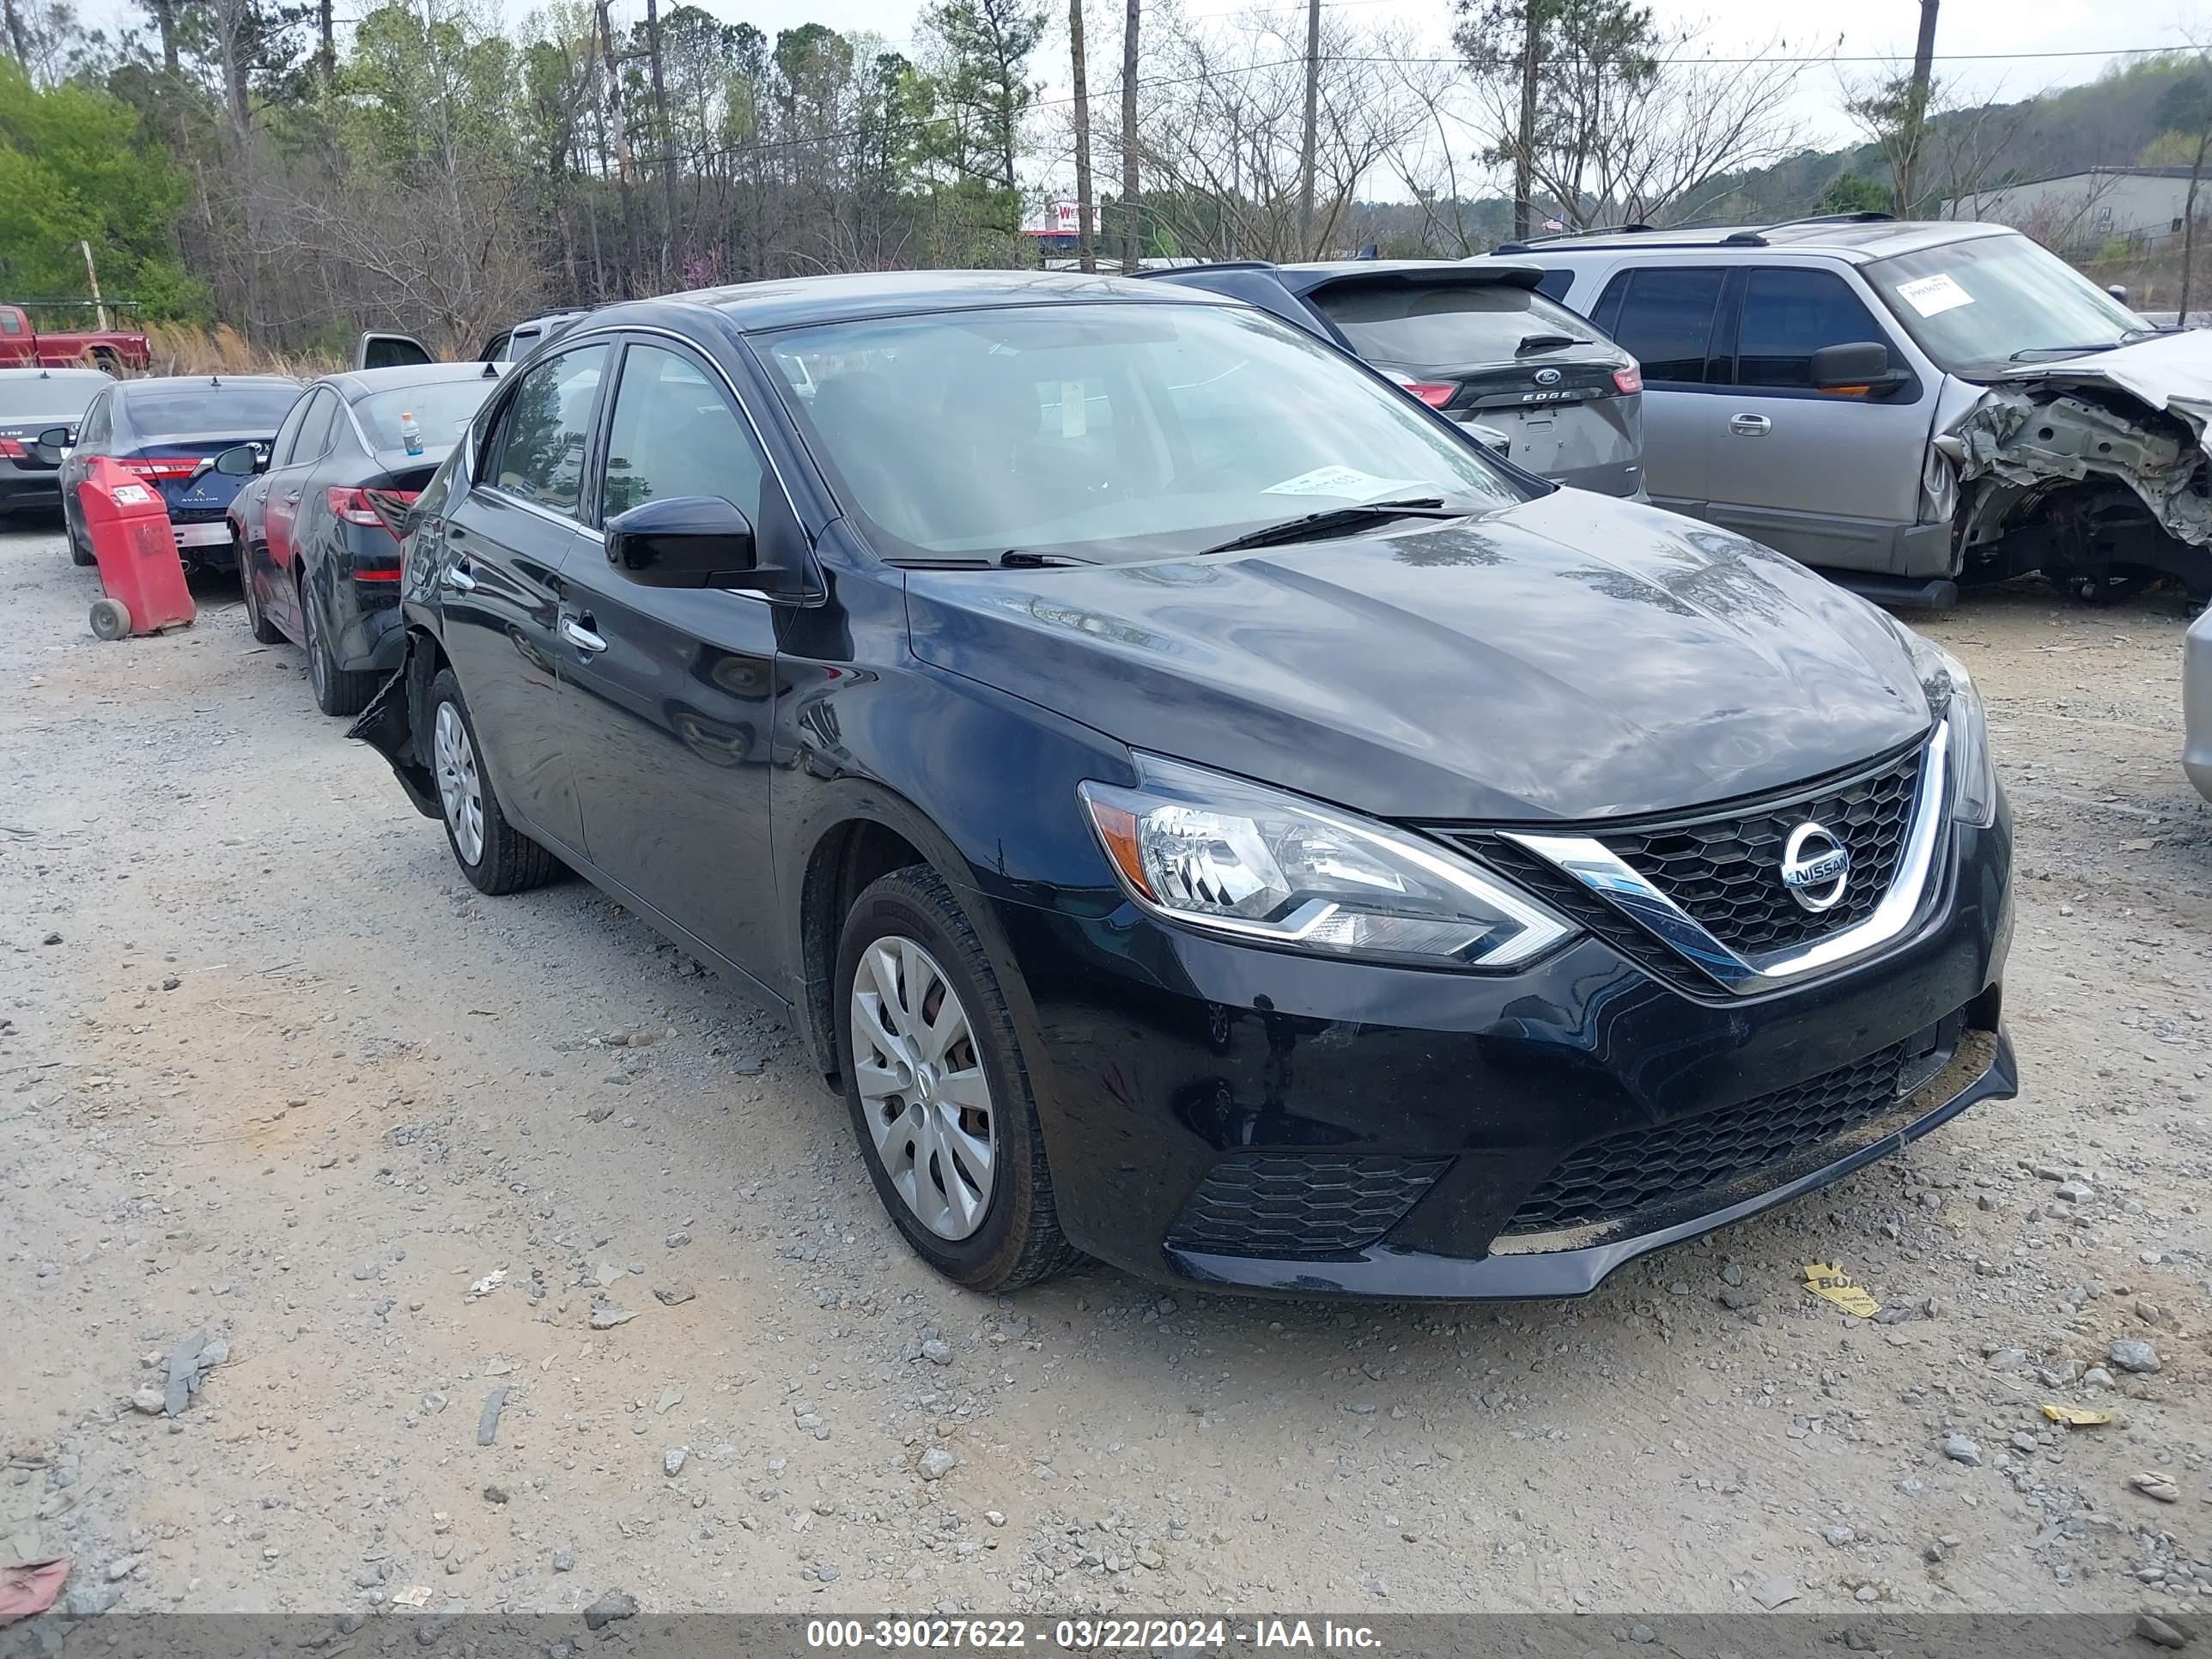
(32, 401)
(317, 565)
(167, 430)
(1200, 808)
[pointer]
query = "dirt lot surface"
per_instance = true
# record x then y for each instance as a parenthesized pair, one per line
(272, 1075)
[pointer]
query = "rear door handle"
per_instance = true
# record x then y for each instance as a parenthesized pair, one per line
(574, 629)
(1750, 426)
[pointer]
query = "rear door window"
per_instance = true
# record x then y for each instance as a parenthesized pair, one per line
(1449, 324)
(537, 453)
(288, 436)
(312, 441)
(1788, 313)
(1664, 319)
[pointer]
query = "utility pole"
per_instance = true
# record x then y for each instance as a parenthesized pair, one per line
(100, 311)
(1916, 112)
(1086, 258)
(1131, 212)
(1306, 249)
(1524, 142)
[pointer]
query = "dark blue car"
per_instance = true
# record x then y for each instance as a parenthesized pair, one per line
(169, 430)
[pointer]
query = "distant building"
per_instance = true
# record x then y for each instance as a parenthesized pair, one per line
(2079, 212)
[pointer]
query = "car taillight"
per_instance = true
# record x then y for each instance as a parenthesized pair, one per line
(164, 467)
(1435, 394)
(12, 451)
(353, 505)
(1629, 377)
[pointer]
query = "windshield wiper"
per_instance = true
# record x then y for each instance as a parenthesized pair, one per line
(1014, 558)
(1548, 343)
(2027, 352)
(1341, 521)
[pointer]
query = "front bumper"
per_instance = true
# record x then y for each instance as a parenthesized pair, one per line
(1433, 1112)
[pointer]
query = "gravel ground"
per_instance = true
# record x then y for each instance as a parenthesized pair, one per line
(272, 1076)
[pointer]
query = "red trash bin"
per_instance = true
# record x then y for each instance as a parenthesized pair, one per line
(137, 550)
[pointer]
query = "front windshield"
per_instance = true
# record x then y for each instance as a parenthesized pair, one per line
(1107, 431)
(1999, 300)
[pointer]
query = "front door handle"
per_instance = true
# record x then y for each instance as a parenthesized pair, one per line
(575, 631)
(458, 579)
(1750, 426)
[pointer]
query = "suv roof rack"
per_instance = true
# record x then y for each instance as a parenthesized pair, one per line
(1523, 244)
(1756, 236)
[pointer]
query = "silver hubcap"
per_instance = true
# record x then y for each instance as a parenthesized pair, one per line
(459, 791)
(922, 1087)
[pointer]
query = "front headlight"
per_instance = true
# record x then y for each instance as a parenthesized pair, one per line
(1951, 695)
(1229, 857)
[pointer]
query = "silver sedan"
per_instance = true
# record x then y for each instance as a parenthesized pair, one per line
(2197, 703)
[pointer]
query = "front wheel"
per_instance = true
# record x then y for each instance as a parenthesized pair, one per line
(496, 856)
(940, 1098)
(80, 549)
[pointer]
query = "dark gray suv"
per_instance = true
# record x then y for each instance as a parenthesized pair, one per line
(1547, 391)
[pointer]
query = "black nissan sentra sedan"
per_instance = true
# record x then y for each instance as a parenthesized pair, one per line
(1201, 810)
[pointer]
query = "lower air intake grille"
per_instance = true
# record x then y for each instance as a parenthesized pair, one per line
(1647, 1168)
(1301, 1204)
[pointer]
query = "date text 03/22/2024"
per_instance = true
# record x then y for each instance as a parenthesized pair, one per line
(1094, 1635)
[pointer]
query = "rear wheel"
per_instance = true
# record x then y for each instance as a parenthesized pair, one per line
(264, 631)
(939, 1098)
(496, 856)
(338, 690)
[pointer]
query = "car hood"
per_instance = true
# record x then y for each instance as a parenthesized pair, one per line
(1568, 658)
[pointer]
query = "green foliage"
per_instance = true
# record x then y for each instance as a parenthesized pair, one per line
(72, 169)
(1853, 192)
(984, 49)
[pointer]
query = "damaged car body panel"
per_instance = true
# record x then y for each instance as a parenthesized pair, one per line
(2091, 466)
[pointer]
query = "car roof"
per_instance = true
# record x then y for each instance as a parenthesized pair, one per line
(801, 300)
(1857, 239)
(205, 382)
(355, 384)
(1306, 277)
(55, 375)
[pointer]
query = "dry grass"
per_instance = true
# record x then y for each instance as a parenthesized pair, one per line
(188, 349)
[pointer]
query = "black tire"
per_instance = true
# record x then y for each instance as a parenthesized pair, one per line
(264, 631)
(508, 861)
(338, 690)
(1018, 1242)
(80, 549)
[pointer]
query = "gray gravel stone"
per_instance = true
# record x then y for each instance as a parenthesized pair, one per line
(2132, 1354)
(671, 1461)
(937, 1351)
(608, 1608)
(1959, 1450)
(936, 1463)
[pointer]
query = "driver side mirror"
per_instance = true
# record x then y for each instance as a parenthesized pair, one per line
(241, 461)
(694, 541)
(56, 437)
(2118, 291)
(1861, 366)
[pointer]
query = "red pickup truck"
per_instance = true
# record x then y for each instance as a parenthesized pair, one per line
(22, 346)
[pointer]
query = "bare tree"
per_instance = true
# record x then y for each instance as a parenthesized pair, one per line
(1222, 142)
(1085, 259)
(1132, 212)
(1936, 146)
(1635, 125)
